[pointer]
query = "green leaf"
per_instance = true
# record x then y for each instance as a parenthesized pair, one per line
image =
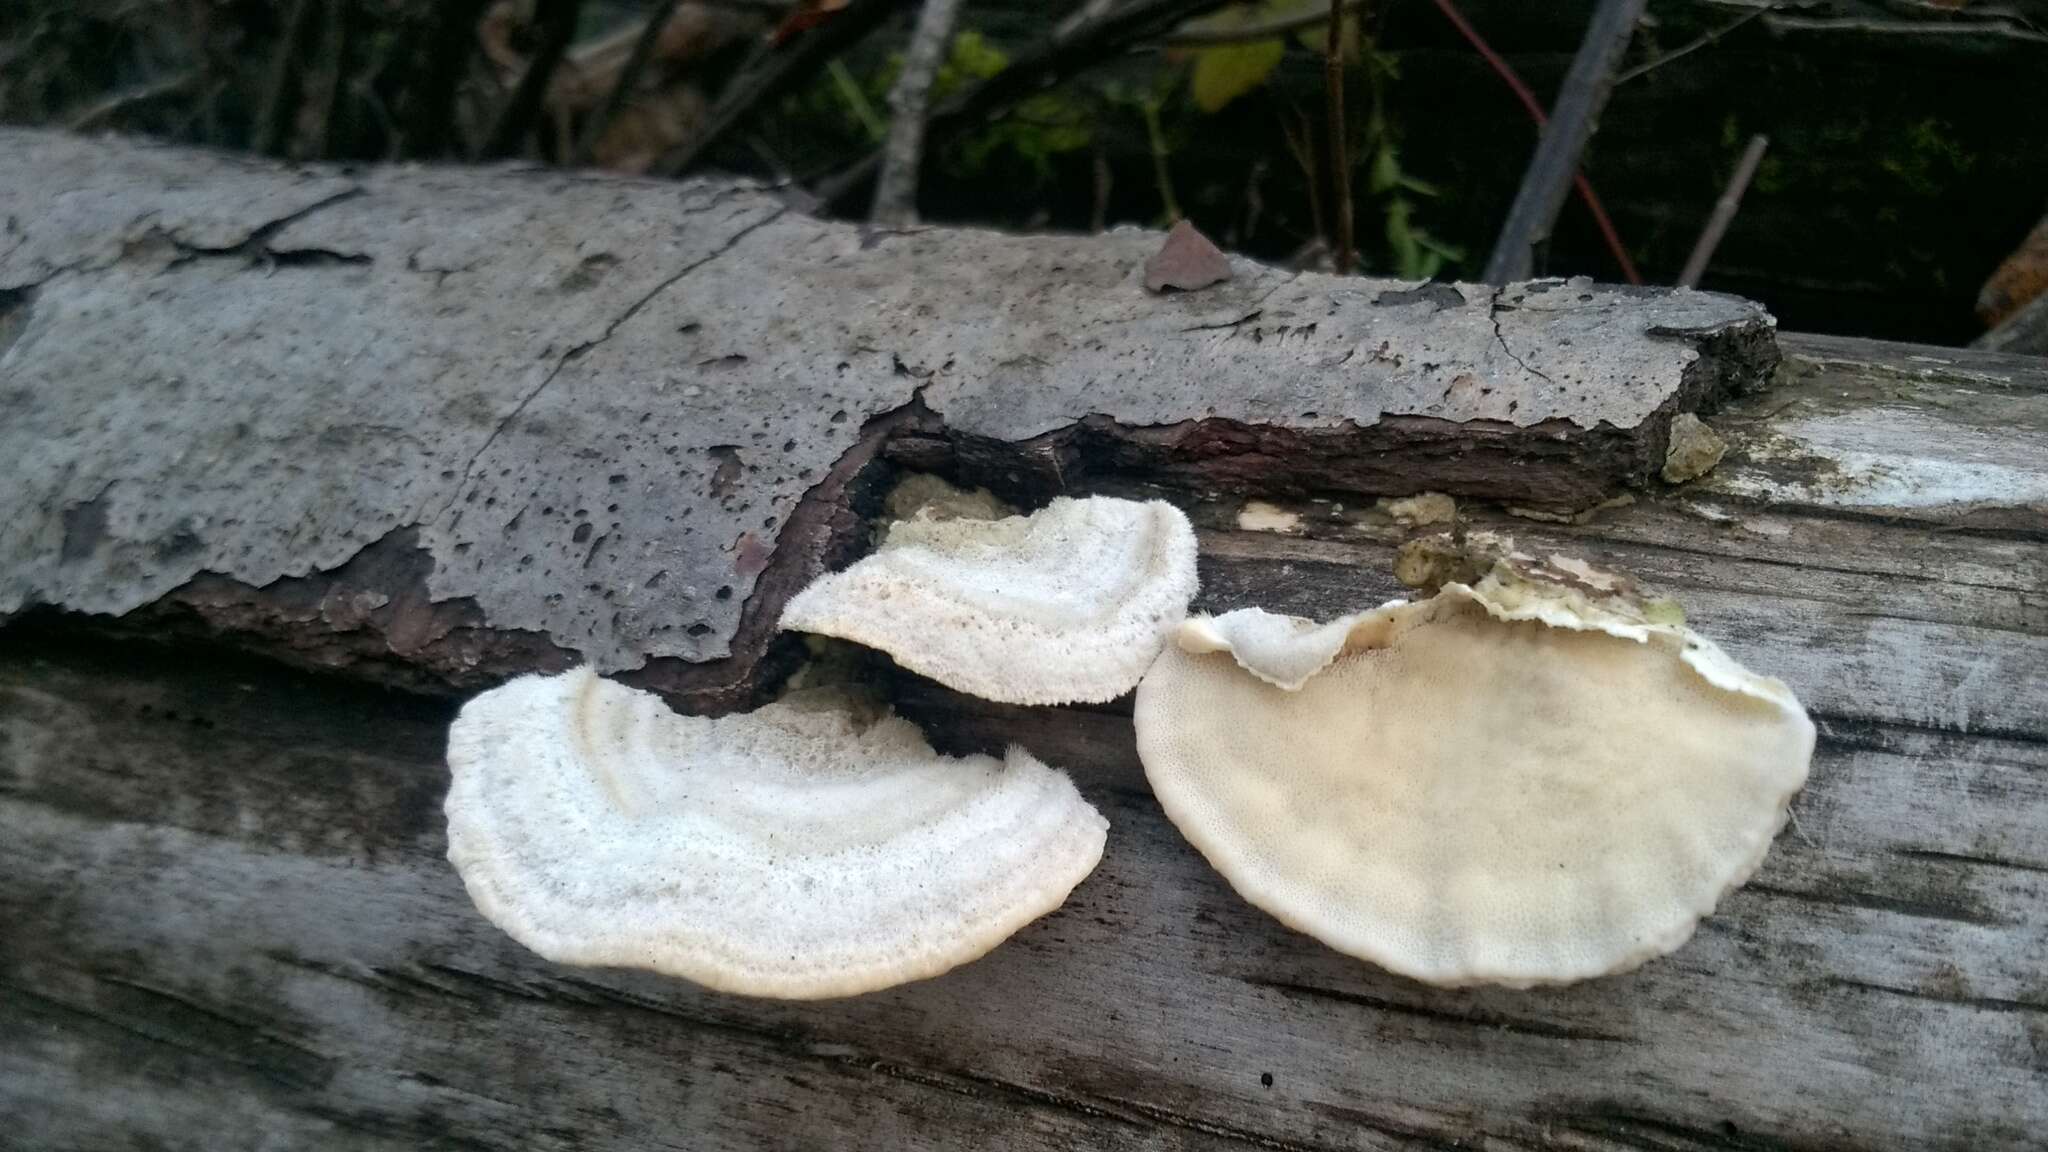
(1227, 71)
(973, 58)
(1386, 171)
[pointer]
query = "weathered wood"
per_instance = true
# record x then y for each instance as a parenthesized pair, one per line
(229, 923)
(441, 423)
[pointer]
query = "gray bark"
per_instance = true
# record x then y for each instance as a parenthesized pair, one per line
(432, 423)
(229, 920)
(230, 924)
(903, 154)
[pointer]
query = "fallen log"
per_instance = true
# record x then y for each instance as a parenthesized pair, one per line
(435, 424)
(229, 918)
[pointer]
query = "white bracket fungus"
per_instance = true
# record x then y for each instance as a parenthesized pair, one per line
(1284, 651)
(1533, 779)
(1069, 604)
(788, 852)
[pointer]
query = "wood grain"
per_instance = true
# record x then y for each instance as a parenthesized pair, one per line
(229, 923)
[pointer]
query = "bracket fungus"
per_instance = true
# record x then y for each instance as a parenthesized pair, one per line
(791, 851)
(1534, 778)
(1069, 604)
(1284, 651)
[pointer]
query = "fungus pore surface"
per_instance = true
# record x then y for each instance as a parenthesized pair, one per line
(1528, 780)
(1068, 604)
(791, 852)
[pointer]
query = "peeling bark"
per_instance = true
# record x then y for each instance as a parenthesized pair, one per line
(610, 420)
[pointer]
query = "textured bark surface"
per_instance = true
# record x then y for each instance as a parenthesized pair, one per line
(229, 923)
(434, 424)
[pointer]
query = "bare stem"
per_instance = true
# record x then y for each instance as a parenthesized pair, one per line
(1244, 33)
(896, 188)
(1724, 212)
(1340, 144)
(1571, 124)
(1162, 173)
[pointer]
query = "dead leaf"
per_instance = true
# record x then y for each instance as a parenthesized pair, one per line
(1186, 261)
(2023, 276)
(807, 15)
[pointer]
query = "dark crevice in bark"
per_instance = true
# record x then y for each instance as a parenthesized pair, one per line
(374, 617)
(1537, 1029)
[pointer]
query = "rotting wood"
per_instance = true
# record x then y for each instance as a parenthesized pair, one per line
(233, 915)
(230, 923)
(603, 408)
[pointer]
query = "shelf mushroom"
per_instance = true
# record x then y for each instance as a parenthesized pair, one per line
(789, 852)
(1069, 604)
(1535, 778)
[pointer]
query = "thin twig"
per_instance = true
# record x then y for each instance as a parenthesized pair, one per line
(896, 188)
(1051, 61)
(1244, 33)
(515, 120)
(1302, 144)
(1961, 30)
(773, 71)
(1710, 37)
(1083, 15)
(857, 101)
(1098, 210)
(281, 90)
(1162, 173)
(106, 109)
(1514, 82)
(1724, 212)
(1340, 143)
(627, 83)
(1563, 139)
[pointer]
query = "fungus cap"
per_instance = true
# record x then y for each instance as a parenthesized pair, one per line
(1070, 603)
(787, 852)
(1480, 788)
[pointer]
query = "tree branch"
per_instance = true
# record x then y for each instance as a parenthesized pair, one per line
(508, 133)
(1053, 60)
(1724, 212)
(1264, 30)
(1340, 143)
(1521, 91)
(896, 189)
(1688, 48)
(774, 71)
(1572, 122)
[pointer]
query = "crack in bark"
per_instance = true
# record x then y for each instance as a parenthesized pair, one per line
(1493, 311)
(580, 350)
(1838, 897)
(1978, 860)
(1536, 1029)
(974, 1085)
(1988, 1003)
